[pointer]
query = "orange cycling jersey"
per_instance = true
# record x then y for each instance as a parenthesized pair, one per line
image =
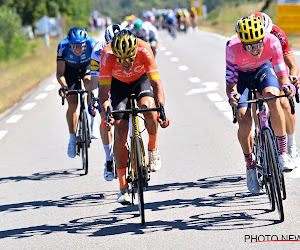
(144, 62)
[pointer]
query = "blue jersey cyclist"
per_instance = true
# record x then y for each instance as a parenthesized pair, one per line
(73, 65)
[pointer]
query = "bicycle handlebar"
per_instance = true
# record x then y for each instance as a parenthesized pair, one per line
(262, 100)
(135, 111)
(73, 92)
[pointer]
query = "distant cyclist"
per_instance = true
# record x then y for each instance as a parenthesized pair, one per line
(140, 30)
(74, 63)
(128, 66)
(153, 34)
(290, 61)
(106, 136)
(248, 64)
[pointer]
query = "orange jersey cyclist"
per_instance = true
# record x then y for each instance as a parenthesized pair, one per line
(128, 66)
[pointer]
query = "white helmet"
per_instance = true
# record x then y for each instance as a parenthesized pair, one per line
(265, 19)
(238, 22)
(110, 32)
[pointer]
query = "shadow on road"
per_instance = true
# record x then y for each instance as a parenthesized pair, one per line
(233, 209)
(42, 176)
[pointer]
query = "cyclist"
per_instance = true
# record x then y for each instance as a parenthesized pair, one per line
(153, 34)
(73, 63)
(128, 66)
(106, 136)
(248, 63)
(290, 61)
(140, 30)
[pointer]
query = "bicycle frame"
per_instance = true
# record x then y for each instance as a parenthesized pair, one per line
(136, 133)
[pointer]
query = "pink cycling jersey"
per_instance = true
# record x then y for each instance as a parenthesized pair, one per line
(237, 59)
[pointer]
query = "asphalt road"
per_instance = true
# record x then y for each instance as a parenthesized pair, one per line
(198, 200)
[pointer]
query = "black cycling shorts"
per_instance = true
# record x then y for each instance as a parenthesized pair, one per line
(121, 92)
(75, 75)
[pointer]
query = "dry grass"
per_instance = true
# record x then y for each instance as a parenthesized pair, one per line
(20, 76)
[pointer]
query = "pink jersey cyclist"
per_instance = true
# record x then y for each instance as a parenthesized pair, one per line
(237, 58)
(243, 70)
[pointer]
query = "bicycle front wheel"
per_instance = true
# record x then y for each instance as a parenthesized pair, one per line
(84, 142)
(140, 179)
(274, 174)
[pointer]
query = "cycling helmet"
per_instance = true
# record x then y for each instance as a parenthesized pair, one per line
(238, 22)
(111, 31)
(77, 35)
(138, 24)
(124, 44)
(265, 19)
(251, 30)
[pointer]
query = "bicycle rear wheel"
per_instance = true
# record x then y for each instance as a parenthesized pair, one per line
(140, 179)
(84, 142)
(273, 168)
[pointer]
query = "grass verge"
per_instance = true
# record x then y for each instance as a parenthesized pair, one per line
(21, 75)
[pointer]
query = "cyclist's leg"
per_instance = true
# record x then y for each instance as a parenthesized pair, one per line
(119, 99)
(71, 115)
(290, 120)
(146, 100)
(244, 132)
(268, 86)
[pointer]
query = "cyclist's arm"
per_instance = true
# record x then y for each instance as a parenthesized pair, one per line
(60, 71)
(158, 91)
(104, 97)
(291, 63)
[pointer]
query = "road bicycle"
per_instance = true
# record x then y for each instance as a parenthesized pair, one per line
(269, 169)
(138, 174)
(83, 135)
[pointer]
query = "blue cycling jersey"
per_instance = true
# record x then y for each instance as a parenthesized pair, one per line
(64, 53)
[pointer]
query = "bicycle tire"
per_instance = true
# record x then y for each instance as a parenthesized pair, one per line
(140, 179)
(84, 142)
(272, 163)
(265, 182)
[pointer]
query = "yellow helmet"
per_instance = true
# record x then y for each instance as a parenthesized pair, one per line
(251, 30)
(124, 44)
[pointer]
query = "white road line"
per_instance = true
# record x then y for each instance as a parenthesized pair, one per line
(50, 87)
(168, 53)
(14, 119)
(3, 133)
(54, 80)
(41, 96)
(194, 79)
(209, 86)
(183, 67)
(174, 59)
(215, 97)
(295, 173)
(28, 106)
(223, 106)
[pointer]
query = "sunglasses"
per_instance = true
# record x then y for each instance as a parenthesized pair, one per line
(77, 46)
(256, 46)
(129, 59)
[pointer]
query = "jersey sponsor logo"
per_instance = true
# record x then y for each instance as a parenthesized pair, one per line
(145, 51)
(107, 54)
(83, 56)
(280, 37)
(262, 77)
(98, 52)
(60, 50)
(105, 76)
(94, 65)
(230, 58)
(273, 72)
(71, 56)
(122, 73)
